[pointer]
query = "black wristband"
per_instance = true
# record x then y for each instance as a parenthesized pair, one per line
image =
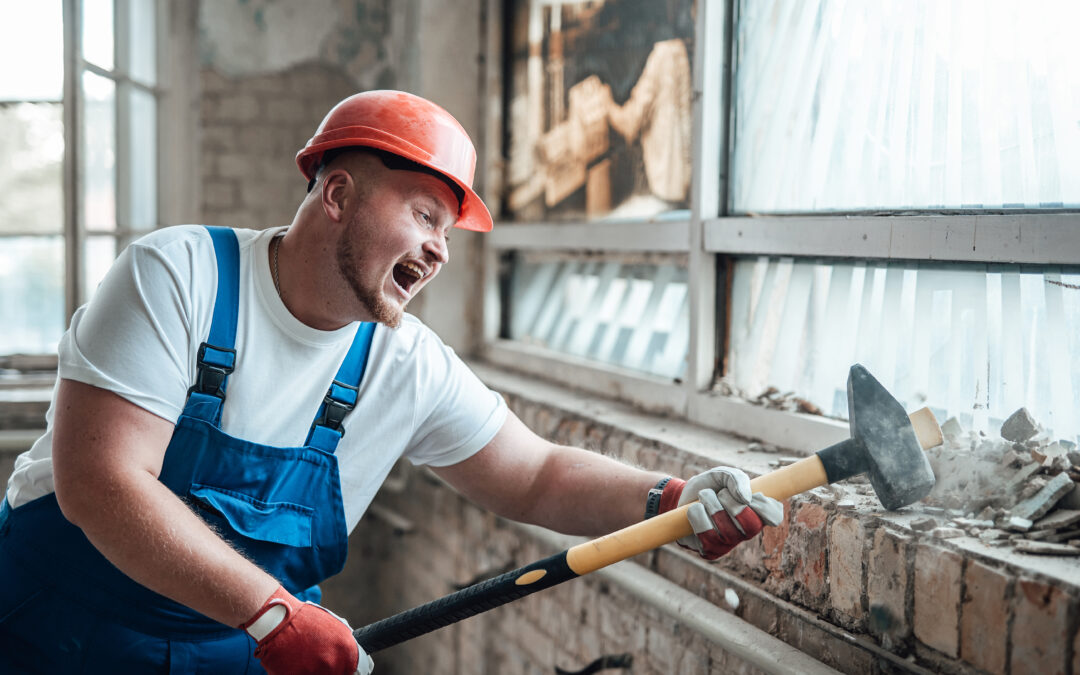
(652, 504)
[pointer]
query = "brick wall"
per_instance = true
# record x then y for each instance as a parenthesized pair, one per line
(850, 585)
(252, 127)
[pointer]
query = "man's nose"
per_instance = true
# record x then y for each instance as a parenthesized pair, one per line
(437, 248)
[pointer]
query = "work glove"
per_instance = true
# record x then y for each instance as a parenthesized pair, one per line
(726, 513)
(301, 637)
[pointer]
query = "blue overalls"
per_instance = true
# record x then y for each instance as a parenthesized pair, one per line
(65, 609)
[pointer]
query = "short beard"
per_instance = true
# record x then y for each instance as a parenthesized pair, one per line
(381, 311)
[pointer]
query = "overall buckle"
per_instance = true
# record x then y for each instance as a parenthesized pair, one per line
(335, 409)
(212, 369)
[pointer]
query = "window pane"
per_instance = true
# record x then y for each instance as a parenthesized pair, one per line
(633, 315)
(974, 341)
(906, 104)
(142, 162)
(99, 152)
(97, 32)
(31, 294)
(32, 49)
(100, 253)
(31, 167)
(142, 43)
(599, 114)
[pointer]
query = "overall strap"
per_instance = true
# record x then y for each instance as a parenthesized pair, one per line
(217, 355)
(341, 397)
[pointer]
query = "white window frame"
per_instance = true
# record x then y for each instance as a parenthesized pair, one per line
(1043, 237)
(177, 147)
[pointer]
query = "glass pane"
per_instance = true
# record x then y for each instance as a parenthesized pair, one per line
(32, 36)
(31, 167)
(906, 104)
(97, 33)
(142, 42)
(31, 294)
(100, 253)
(972, 341)
(600, 109)
(633, 315)
(142, 160)
(99, 153)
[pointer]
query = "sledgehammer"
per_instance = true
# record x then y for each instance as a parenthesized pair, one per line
(886, 444)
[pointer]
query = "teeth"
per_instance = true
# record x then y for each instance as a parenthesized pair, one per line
(414, 268)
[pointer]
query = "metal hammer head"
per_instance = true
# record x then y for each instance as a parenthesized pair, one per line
(883, 445)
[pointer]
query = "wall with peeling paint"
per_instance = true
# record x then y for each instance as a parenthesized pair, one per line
(271, 69)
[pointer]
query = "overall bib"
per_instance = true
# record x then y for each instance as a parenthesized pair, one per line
(65, 609)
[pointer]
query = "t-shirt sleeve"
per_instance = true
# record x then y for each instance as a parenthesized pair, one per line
(460, 417)
(134, 337)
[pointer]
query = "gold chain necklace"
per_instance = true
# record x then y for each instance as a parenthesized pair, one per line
(277, 247)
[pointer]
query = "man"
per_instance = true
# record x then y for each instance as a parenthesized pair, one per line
(230, 401)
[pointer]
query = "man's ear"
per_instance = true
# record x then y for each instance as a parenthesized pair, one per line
(334, 192)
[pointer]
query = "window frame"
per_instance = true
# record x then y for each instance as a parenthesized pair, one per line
(175, 83)
(711, 236)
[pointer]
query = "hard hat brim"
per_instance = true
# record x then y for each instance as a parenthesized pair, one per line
(473, 214)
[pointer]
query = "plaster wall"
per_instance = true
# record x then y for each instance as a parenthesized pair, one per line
(271, 70)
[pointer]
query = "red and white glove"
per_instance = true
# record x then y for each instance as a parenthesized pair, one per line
(726, 513)
(302, 637)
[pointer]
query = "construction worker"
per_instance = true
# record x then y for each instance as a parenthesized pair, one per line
(230, 401)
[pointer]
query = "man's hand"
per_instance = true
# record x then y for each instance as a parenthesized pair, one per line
(726, 513)
(302, 637)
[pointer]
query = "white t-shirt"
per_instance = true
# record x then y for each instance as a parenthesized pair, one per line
(140, 334)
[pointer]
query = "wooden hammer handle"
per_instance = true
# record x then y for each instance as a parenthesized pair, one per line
(591, 555)
(785, 482)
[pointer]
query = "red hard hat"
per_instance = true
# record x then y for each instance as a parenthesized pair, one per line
(407, 126)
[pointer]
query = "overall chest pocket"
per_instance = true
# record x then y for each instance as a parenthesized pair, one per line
(276, 522)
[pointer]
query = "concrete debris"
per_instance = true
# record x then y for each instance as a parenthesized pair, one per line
(947, 532)
(1067, 535)
(783, 461)
(993, 535)
(1038, 505)
(1074, 457)
(968, 523)
(1045, 548)
(1019, 427)
(1058, 520)
(923, 524)
(1017, 524)
(951, 430)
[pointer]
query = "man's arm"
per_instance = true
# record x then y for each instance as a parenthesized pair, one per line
(521, 476)
(107, 455)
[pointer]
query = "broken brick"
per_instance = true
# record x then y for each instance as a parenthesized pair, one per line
(938, 574)
(887, 579)
(847, 542)
(1040, 636)
(984, 617)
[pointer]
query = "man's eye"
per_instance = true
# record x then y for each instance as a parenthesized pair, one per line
(423, 217)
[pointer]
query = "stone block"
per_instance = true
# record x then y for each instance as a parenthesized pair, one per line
(887, 581)
(1045, 499)
(1040, 629)
(847, 544)
(1019, 427)
(984, 617)
(938, 575)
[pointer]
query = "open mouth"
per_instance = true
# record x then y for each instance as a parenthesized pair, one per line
(406, 275)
